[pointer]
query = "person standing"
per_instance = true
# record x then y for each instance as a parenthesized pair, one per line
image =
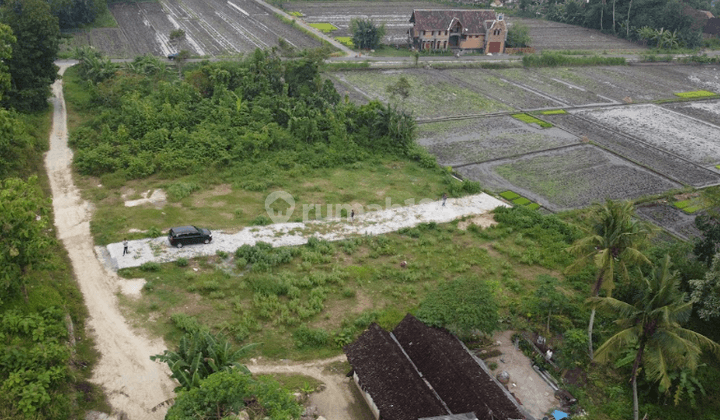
(352, 215)
(444, 199)
(125, 247)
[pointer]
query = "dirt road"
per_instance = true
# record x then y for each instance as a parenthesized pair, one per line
(340, 400)
(133, 383)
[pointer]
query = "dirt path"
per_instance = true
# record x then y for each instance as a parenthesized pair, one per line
(340, 400)
(133, 383)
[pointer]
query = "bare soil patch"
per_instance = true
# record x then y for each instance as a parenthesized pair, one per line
(570, 177)
(670, 218)
(704, 110)
(547, 35)
(484, 221)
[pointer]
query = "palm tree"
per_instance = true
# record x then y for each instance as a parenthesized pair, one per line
(653, 325)
(612, 243)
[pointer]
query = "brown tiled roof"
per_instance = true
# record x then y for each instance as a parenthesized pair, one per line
(454, 374)
(435, 20)
(712, 26)
(390, 378)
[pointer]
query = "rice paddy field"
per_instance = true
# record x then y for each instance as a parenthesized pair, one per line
(624, 132)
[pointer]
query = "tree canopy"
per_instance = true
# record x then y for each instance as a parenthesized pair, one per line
(366, 34)
(31, 66)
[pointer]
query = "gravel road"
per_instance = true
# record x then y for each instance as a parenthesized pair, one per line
(289, 234)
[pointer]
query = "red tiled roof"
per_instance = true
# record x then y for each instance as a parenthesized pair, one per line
(434, 20)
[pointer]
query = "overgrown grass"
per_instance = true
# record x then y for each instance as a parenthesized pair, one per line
(345, 40)
(552, 59)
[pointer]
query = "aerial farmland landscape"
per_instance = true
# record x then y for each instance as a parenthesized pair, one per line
(360, 210)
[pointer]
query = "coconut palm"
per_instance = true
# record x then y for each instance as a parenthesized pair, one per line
(653, 325)
(612, 244)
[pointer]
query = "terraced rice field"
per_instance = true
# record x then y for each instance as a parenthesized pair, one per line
(464, 142)
(570, 177)
(212, 28)
(431, 94)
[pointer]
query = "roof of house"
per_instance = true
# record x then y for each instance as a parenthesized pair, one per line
(390, 378)
(407, 370)
(712, 26)
(433, 20)
(453, 372)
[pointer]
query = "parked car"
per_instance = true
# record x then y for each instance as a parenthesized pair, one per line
(185, 235)
(172, 56)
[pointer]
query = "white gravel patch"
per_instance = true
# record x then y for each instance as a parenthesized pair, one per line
(131, 287)
(290, 234)
(157, 197)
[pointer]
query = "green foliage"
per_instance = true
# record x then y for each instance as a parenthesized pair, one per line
(518, 36)
(310, 337)
(201, 354)
(224, 394)
(16, 143)
(180, 190)
(7, 39)
(93, 66)
(554, 112)
(706, 292)
(464, 306)
(263, 255)
(177, 34)
(707, 246)
(401, 88)
(521, 201)
(366, 34)
(31, 66)
(34, 366)
(551, 59)
(24, 239)
(150, 266)
(260, 114)
(345, 40)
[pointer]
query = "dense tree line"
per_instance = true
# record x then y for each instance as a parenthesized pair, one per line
(626, 18)
(228, 114)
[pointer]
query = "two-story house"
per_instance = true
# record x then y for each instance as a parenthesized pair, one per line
(473, 30)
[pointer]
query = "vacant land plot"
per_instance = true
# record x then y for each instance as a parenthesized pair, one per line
(479, 140)
(694, 140)
(431, 94)
(570, 177)
(548, 35)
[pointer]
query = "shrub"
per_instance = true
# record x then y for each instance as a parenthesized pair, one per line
(154, 232)
(180, 190)
(181, 262)
(150, 266)
(492, 365)
(261, 220)
(310, 337)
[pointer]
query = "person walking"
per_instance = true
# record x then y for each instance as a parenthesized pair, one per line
(444, 199)
(125, 247)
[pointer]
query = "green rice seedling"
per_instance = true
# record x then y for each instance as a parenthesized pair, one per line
(324, 27)
(521, 201)
(532, 120)
(345, 40)
(554, 112)
(533, 206)
(681, 204)
(692, 209)
(696, 94)
(509, 195)
(296, 14)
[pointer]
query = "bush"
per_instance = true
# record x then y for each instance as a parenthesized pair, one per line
(150, 266)
(181, 262)
(261, 220)
(180, 190)
(306, 337)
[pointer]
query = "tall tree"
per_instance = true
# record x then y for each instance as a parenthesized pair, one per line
(24, 242)
(612, 244)
(652, 325)
(366, 34)
(706, 292)
(32, 68)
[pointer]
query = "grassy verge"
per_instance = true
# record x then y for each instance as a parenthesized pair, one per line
(551, 59)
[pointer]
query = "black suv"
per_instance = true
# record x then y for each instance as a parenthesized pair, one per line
(183, 235)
